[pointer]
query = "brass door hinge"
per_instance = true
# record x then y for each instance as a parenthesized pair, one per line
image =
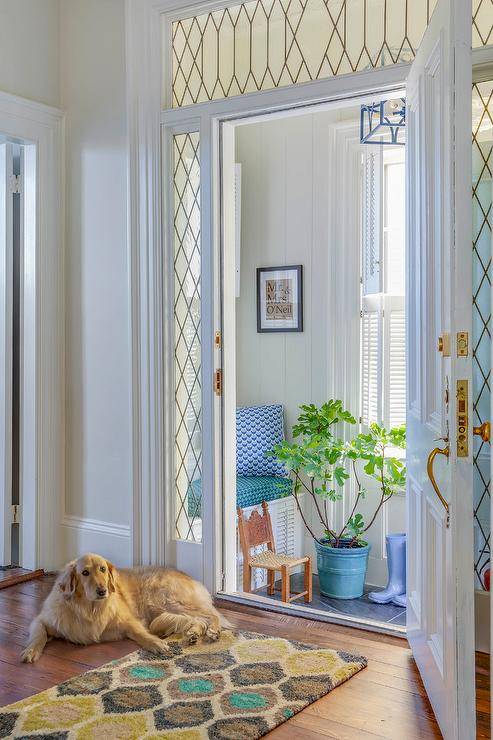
(218, 382)
(217, 340)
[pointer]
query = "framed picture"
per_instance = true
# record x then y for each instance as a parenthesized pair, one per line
(280, 298)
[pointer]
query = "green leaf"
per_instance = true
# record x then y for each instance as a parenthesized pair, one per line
(323, 454)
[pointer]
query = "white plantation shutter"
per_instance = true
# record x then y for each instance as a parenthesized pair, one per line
(394, 361)
(372, 221)
(383, 321)
(371, 366)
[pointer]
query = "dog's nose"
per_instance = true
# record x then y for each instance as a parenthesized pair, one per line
(101, 591)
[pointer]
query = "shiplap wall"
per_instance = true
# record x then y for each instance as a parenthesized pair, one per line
(287, 179)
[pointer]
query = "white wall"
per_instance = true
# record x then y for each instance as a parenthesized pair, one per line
(285, 221)
(98, 445)
(29, 49)
(289, 178)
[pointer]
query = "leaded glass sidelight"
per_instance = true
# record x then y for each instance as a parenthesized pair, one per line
(265, 44)
(187, 323)
(482, 168)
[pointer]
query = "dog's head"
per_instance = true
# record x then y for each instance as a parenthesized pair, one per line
(91, 576)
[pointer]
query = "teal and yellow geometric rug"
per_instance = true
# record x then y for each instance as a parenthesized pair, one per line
(238, 688)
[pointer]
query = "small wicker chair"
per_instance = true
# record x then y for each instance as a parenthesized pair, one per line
(257, 530)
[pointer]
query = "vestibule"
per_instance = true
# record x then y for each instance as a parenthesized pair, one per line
(309, 193)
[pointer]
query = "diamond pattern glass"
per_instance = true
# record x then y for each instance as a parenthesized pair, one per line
(482, 148)
(264, 44)
(187, 321)
(482, 22)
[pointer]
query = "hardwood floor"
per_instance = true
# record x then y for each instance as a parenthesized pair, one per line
(12, 575)
(386, 700)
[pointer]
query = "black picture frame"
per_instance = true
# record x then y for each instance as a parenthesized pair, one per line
(293, 320)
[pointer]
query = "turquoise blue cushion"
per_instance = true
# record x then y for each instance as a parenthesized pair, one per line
(250, 491)
(258, 429)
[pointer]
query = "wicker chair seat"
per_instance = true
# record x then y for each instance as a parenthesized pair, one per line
(273, 561)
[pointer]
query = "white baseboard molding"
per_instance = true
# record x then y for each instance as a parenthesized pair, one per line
(112, 541)
(482, 620)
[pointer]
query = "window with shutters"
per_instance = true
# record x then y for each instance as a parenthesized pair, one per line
(383, 324)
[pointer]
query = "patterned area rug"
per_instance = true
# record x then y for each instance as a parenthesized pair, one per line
(238, 688)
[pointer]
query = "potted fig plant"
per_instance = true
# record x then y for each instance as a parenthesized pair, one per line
(322, 464)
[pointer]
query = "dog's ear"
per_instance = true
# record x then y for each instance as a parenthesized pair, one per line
(112, 577)
(68, 581)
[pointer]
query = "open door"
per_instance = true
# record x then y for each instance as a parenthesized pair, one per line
(440, 583)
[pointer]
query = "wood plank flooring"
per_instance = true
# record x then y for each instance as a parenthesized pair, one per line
(386, 700)
(11, 576)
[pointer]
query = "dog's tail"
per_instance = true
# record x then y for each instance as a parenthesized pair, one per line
(225, 624)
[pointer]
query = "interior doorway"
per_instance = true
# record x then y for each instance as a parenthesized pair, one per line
(313, 210)
(17, 226)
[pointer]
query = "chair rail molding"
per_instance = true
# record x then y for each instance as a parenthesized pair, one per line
(42, 445)
(83, 534)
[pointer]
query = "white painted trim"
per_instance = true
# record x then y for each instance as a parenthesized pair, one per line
(6, 347)
(145, 265)
(42, 350)
(338, 90)
(82, 534)
(96, 525)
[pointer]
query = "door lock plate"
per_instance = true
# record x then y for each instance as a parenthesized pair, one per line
(443, 345)
(462, 418)
(462, 344)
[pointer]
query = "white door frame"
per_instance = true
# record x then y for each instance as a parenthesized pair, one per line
(149, 317)
(42, 451)
(145, 21)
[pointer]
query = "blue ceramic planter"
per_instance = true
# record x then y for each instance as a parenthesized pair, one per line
(342, 570)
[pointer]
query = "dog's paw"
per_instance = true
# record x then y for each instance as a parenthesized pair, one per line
(156, 647)
(212, 635)
(31, 654)
(195, 632)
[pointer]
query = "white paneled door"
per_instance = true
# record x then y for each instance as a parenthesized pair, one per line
(439, 405)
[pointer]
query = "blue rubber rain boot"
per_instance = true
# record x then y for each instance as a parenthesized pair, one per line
(400, 600)
(396, 560)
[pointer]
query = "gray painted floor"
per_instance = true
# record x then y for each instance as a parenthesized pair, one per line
(362, 607)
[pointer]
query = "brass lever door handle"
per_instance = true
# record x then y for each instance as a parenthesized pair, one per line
(429, 468)
(484, 431)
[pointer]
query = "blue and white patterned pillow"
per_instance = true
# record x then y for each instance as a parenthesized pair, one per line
(258, 429)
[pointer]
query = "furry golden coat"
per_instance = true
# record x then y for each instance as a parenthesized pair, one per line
(91, 601)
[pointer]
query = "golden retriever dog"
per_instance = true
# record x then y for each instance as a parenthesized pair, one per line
(91, 601)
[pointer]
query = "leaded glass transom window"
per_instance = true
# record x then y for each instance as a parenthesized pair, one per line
(187, 324)
(265, 44)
